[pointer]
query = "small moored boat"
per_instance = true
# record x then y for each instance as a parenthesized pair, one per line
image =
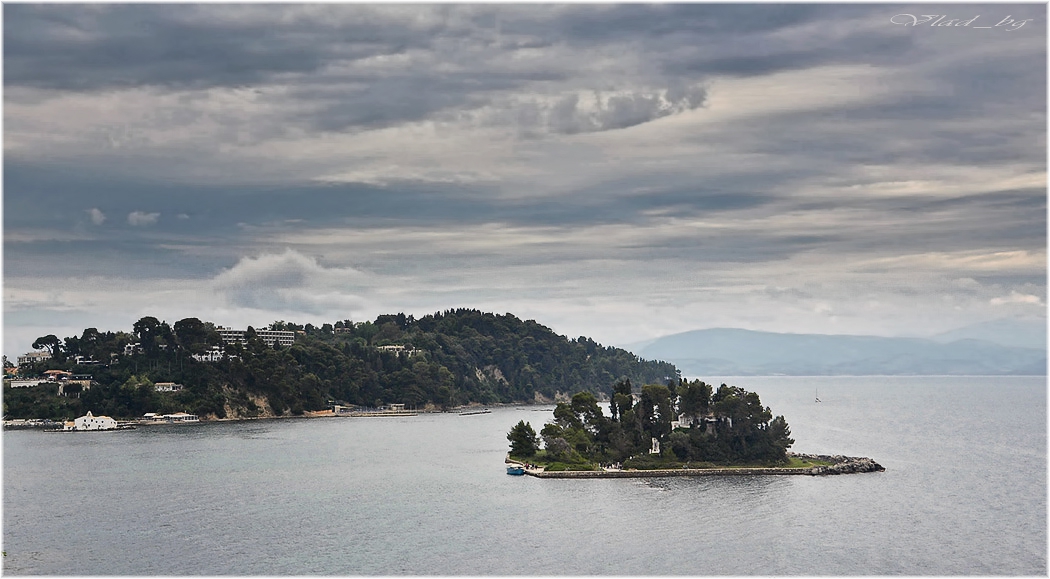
(515, 469)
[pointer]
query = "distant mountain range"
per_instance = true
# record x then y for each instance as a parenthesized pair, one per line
(1002, 347)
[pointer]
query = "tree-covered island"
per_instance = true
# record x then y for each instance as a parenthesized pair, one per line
(679, 425)
(439, 361)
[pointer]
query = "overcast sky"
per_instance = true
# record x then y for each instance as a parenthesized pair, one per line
(616, 171)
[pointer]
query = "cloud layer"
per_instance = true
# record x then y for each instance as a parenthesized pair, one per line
(289, 282)
(625, 171)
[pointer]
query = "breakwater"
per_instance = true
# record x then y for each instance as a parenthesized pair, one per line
(840, 465)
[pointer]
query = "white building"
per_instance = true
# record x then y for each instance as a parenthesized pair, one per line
(167, 387)
(396, 349)
(89, 422)
(23, 383)
(85, 361)
(215, 354)
(282, 337)
(178, 417)
(655, 448)
(33, 358)
(181, 417)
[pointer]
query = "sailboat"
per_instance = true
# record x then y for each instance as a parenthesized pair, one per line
(816, 394)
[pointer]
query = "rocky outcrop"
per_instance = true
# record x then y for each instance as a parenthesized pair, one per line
(491, 375)
(841, 464)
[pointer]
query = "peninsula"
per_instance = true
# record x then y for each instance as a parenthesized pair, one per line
(440, 361)
(681, 429)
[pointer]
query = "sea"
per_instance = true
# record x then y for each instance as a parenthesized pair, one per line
(964, 493)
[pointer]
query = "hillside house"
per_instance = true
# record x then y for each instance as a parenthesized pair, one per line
(33, 358)
(214, 354)
(75, 385)
(167, 387)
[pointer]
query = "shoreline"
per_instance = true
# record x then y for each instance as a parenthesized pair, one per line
(35, 423)
(841, 465)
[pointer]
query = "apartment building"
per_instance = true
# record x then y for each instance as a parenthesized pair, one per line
(282, 337)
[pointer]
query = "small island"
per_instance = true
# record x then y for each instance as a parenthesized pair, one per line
(681, 429)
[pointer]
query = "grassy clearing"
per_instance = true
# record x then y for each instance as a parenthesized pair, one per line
(796, 462)
(541, 459)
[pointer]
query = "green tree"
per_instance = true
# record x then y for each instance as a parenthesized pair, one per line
(585, 406)
(779, 438)
(655, 412)
(621, 398)
(554, 441)
(558, 449)
(51, 343)
(523, 440)
(694, 398)
(253, 343)
(90, 341)
(565, 417)
(192, 335)
(148, 330)
(388, 332)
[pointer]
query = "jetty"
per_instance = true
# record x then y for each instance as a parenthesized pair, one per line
(23, 423)
(391, 410)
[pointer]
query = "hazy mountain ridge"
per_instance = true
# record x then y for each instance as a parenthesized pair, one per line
(1018, 333)
(732, 351)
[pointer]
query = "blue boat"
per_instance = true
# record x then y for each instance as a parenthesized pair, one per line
(516, 469)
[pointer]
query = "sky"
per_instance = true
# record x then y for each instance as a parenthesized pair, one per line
(621, 172)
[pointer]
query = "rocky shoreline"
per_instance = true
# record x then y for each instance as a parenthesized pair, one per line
(841, 465)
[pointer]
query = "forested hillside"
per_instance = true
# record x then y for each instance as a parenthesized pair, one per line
(451, 358)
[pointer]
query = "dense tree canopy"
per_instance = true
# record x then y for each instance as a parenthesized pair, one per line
(449, 359)
(690, 424)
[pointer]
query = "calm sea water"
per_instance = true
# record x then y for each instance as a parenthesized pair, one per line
(964, 492)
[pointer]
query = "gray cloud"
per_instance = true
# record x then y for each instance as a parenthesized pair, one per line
(97, 216)
(335, 54)
(99, 47)
(619, 111)
(228, 222)
(666, 165)
(288, 282)
(142, 218)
